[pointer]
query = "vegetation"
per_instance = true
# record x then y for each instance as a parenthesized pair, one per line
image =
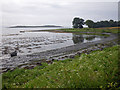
(93, 30)
(99, 69)
(90, 23)
(78, 22)
(0, 82)
(110, 23)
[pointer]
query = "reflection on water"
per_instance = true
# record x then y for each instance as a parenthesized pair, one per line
(77, 38)
(90, 38)
(85, 38)
(32, 42)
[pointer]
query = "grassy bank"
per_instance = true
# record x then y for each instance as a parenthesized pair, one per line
(0, 82)
(95, 30)
(97, 69)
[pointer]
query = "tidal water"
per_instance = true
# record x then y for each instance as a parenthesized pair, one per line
(33, 42)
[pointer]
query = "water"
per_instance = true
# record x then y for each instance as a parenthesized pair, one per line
(33, 42)
(15, 31)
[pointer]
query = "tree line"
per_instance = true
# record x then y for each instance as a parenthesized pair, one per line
(79, 22)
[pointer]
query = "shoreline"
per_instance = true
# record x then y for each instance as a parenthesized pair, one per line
(32, 60)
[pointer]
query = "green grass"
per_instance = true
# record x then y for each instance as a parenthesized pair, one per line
(95, 70)
(95, 30)
(0, 82)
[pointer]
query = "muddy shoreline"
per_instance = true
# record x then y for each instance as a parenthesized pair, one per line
(32, 60)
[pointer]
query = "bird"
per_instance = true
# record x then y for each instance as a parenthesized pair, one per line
(14, 53)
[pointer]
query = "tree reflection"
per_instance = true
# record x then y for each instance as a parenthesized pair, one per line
(90, 38)
(77, 38)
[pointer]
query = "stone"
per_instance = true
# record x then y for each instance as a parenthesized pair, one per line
(101, 49)
(78, 53)
(29, 67)
(53, 59)
(71, 56)
(49, 61)
(12, 69)
(66, 56)
(96, 44)
(85, 51)
(38, 63)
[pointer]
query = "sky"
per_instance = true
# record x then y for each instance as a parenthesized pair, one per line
(56, 12)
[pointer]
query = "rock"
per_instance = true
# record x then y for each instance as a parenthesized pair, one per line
(7, 69)
(13, 54)
(91, 50)
(95, 49)
(4, 70)
(84, 51)
(22, 66)
(12, 69)
(66, 56)
(22, 31)
(29, 67)
(96, 44)
(101, 49)
(71, 56)
(63, 57)
(102, 44)
(29, 48)
(29, 51)
(38, 63)
(49, 61)
(78, 53)
(53, 59)
(21, 51)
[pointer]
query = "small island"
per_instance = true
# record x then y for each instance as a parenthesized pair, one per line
(34, 26)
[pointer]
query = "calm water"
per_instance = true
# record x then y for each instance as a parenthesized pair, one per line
(11, 31)
(32, 42)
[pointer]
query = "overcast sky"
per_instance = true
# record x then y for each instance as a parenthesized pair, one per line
(56, 12)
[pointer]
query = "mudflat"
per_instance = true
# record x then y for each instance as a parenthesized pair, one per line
(55, 54)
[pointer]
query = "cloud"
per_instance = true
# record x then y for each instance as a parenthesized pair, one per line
(61, 12)
(119, 10)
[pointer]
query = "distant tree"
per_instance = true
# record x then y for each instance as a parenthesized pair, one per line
(106, 24)
(102, 24)
(118, 23)
(90, 23)
(110, 23)
(78, 22)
